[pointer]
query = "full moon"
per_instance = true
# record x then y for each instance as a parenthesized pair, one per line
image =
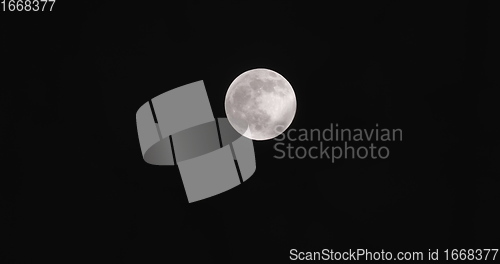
(260, 104)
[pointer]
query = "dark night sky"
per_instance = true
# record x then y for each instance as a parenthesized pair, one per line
(75, 187)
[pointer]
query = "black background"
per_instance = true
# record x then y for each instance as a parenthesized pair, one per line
(74, 187)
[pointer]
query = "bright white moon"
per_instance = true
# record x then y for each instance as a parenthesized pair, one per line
(260, 104)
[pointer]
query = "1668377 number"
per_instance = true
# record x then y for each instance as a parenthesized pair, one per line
(27, 5)
(471, 254)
